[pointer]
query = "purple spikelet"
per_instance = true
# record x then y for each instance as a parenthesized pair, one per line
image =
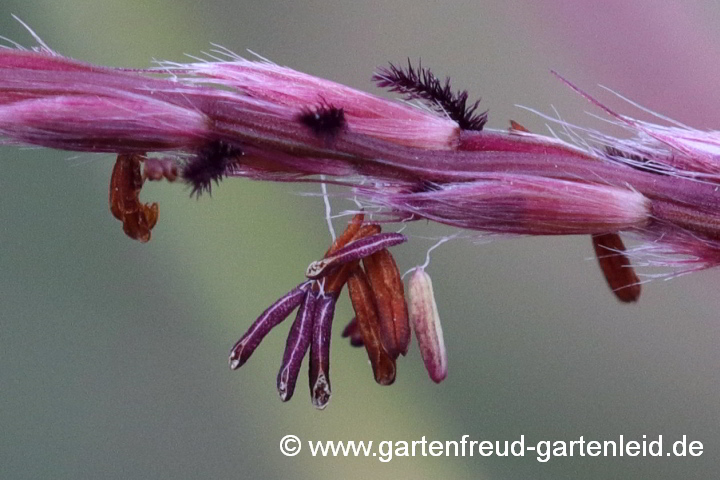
(275, 313)
(320, 352)
(296, 346)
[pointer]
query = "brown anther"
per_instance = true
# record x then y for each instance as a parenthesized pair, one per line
(335, 281)
(348, 235)
(125, 184)
(363, 302)
(516, 127)
(616, 267)
(365, 328)
(389, 291)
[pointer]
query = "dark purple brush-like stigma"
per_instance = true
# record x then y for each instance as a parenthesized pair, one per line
(320, 351)
(275, 313)
(353, 331)
(422, 84)
(324, 121)
(355, 250)
(209, 164)
(296, 346)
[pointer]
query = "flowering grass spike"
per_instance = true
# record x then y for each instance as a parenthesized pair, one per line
(231, 117)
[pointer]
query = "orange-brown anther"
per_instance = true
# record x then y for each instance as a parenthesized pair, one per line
(516, 127)
(620, 275)
(389, 291)
(348, 235)
(125, 184)
(363, 302)
(335, 281)
(366, 231)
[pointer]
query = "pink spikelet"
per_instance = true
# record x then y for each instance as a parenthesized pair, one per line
(205, 121)
(425, 321)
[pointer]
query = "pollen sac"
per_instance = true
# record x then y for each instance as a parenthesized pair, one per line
(516, 127)
(615, 265)
(336, 280)
(363, 302)
(348, 234)
(319, 373)
(316, 300)
(269, 319)
(296, 346)
(125, 184)
(355, 250)
(426, 323)
(389, 291)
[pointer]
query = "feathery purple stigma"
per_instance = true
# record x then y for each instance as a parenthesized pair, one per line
(422, 84)
(355, 250)
(297, 344)
(275, 313)
(324, 121)
(209, 164)
(320, 352)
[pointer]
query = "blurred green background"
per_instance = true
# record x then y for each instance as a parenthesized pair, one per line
(113, 353)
